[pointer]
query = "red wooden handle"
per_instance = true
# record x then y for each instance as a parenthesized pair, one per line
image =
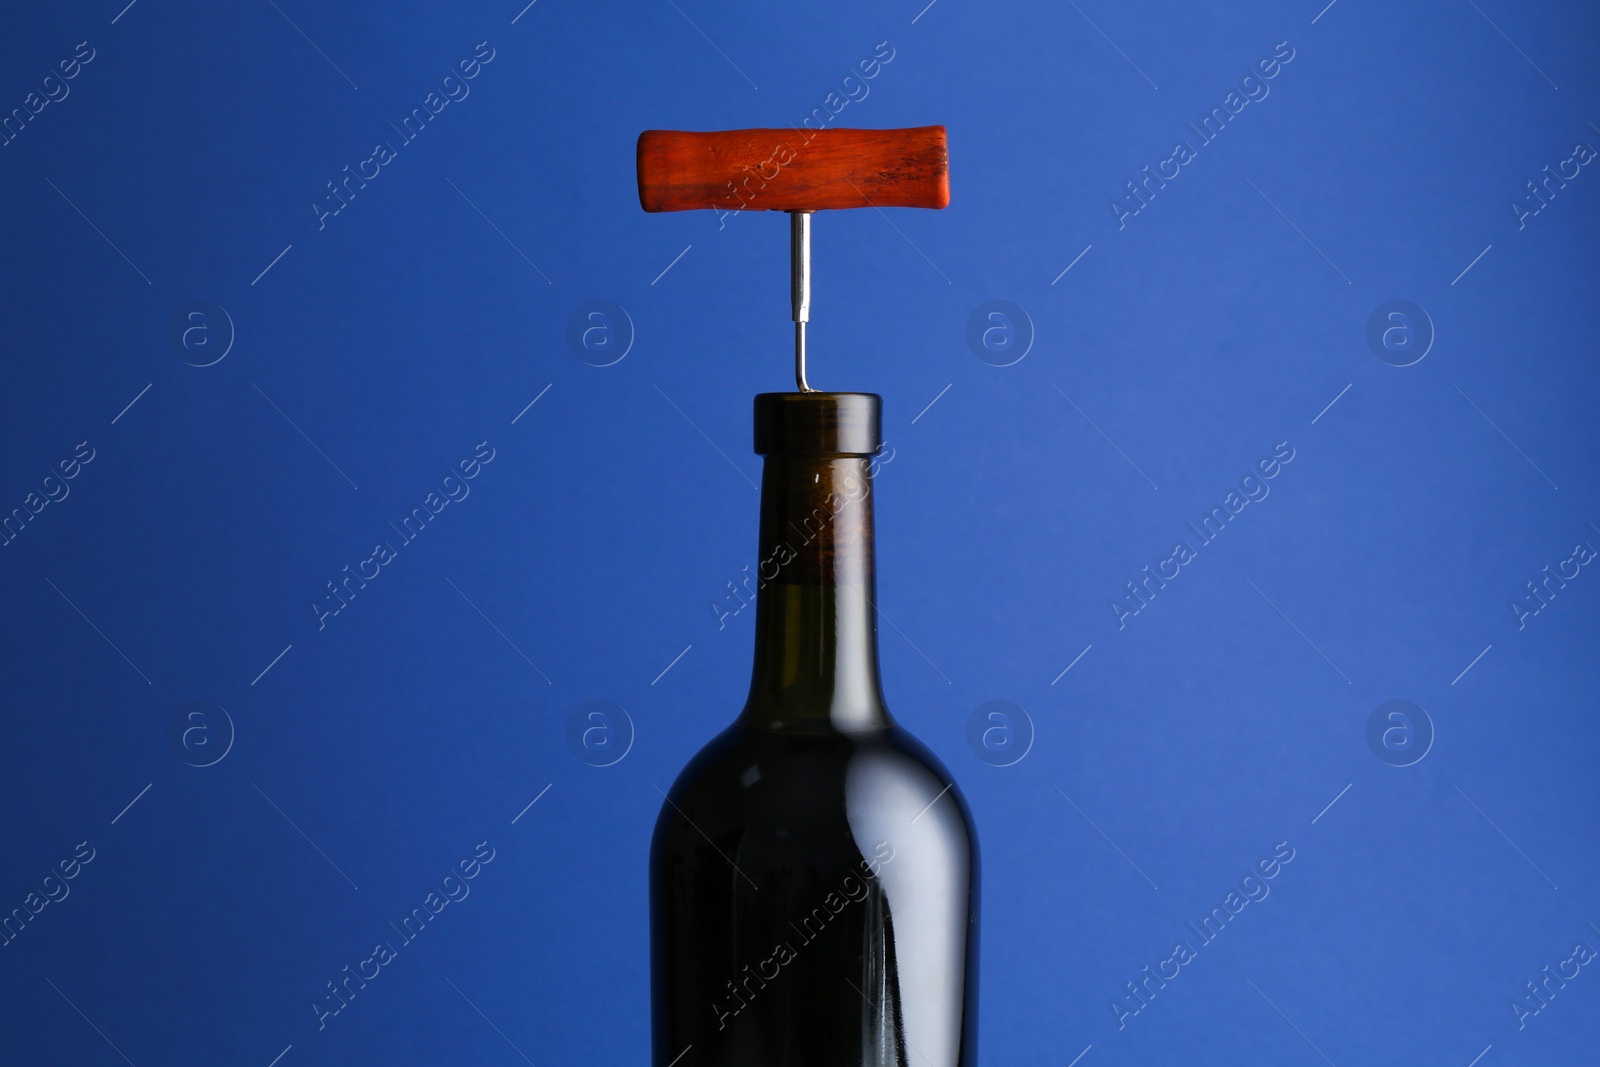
(794, 169)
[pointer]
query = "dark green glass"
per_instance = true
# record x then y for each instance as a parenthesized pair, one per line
(814, 871)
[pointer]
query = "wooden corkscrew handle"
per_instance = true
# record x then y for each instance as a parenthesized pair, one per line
(793, 170)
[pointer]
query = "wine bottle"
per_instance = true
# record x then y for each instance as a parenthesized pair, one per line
(814, 870)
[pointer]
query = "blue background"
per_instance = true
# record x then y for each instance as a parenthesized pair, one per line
(376, 352)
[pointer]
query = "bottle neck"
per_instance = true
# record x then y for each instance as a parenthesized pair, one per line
(816, 662)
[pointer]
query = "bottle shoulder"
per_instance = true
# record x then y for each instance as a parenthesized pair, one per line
(742, 751)
(784, 783)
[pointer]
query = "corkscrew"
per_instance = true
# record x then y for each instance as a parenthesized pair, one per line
(800, 171)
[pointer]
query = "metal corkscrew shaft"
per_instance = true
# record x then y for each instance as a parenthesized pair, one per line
(800, 289)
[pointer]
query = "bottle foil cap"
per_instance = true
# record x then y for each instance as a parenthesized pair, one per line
(818, 423)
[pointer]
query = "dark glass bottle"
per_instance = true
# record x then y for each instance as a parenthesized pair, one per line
(814, 871)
